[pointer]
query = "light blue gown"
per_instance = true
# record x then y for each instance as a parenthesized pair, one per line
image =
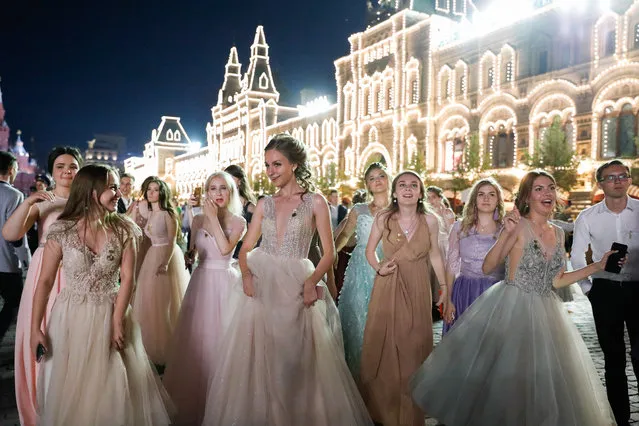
(356, 291)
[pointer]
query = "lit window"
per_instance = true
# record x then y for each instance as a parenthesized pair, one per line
(491, 76)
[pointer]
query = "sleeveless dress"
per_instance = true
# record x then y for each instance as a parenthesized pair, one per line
(399, 330)
(282, 364)
(83, 380)
(156, 305)
(515, 358)
(204, 315)
(248, 216)
(466, 254)
(356, 292)
(26, 367)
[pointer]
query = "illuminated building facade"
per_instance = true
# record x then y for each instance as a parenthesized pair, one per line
(427, 74)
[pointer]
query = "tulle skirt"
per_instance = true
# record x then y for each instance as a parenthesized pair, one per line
(353, 306)
(282, 364)
(466, 290)
(514, 358)
(204, 316)
(84, 381)
(26, 367)
(157, 301)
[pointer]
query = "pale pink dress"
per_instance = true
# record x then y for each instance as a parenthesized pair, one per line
(156, 305)
(26, 368)
(204, 315)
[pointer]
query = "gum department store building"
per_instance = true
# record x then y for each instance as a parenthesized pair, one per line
(423, 77)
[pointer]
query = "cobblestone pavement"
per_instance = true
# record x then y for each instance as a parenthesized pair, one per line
(579, 310)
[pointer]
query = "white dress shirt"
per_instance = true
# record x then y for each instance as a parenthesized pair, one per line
(127, 202)
(600, 227)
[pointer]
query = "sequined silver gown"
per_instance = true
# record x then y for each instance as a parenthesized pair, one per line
(282, 364)
(515, 358)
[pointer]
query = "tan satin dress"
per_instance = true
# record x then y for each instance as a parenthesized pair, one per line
(398, 335)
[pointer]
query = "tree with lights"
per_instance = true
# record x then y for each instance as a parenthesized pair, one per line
(555, 155)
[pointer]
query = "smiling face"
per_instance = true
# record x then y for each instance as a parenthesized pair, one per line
(219, 192)
(407, 190)
(487, 198)
(153, 193)
(543, 196)
(111, 194)
(126, 185)
(65, 167)
(278, 169)
(376, 181)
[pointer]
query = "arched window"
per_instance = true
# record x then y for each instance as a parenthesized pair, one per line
(177, 136)
(609, 134)
(454, 153)
(491, 77)
(501, 146)
(169, 135)
(610, 43)
(627, 132)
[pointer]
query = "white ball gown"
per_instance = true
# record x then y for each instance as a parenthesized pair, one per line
(282, 364)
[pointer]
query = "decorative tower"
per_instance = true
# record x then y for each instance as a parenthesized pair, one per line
(258, 80)
(4, 128)
(232, 80)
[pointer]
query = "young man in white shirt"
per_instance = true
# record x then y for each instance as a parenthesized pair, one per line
(614, 297)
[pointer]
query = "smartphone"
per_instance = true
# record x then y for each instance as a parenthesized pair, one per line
(40, 352)
(612, 264)
(198, 194)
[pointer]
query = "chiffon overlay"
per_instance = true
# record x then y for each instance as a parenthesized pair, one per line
(26, 367)
(84, 380)
(156, 305)
(356, 291)
(399, 334)
(203, 318)
(515, 358)
(281, 363)
(466, 254)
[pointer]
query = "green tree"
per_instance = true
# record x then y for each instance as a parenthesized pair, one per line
(418, 163)
(555, 154)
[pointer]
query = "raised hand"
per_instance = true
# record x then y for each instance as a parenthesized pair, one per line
(210, 209)
(511, 220)
(40, 196)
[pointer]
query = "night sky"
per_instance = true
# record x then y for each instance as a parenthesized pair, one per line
(72, 69)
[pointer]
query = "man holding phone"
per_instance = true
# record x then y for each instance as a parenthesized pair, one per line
(613, 293)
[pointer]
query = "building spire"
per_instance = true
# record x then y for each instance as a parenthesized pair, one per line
(258, 78)
(232, 80)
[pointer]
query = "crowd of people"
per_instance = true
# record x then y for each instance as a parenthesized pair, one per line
(295, 309)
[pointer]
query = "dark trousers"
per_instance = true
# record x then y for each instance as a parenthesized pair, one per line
(10, 291)
(614, 305)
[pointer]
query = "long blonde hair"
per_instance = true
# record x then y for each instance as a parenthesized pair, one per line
(470, 215)
(235, 204)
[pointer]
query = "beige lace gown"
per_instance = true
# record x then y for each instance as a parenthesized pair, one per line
(83, 380)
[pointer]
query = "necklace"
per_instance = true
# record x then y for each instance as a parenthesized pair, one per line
(410, 228)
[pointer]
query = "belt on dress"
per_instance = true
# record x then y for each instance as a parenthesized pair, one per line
(215, 264)
(159, 245)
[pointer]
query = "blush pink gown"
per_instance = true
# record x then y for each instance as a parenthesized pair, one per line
(205, 312)
(26, 367)
(158, 297)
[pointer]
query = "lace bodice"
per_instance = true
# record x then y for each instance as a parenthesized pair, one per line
(298, 233)
(49, 212)
(209, 253)
(535, 272)
(90, 277)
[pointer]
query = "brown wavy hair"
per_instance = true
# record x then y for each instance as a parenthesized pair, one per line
(470, 214)
(82, 204)
(295, 153)
(164, 201)
(243, 188)
(525, 189)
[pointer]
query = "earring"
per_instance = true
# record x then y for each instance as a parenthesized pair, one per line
(394, 200)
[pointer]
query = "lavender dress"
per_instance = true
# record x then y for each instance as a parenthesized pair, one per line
(466, 253)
